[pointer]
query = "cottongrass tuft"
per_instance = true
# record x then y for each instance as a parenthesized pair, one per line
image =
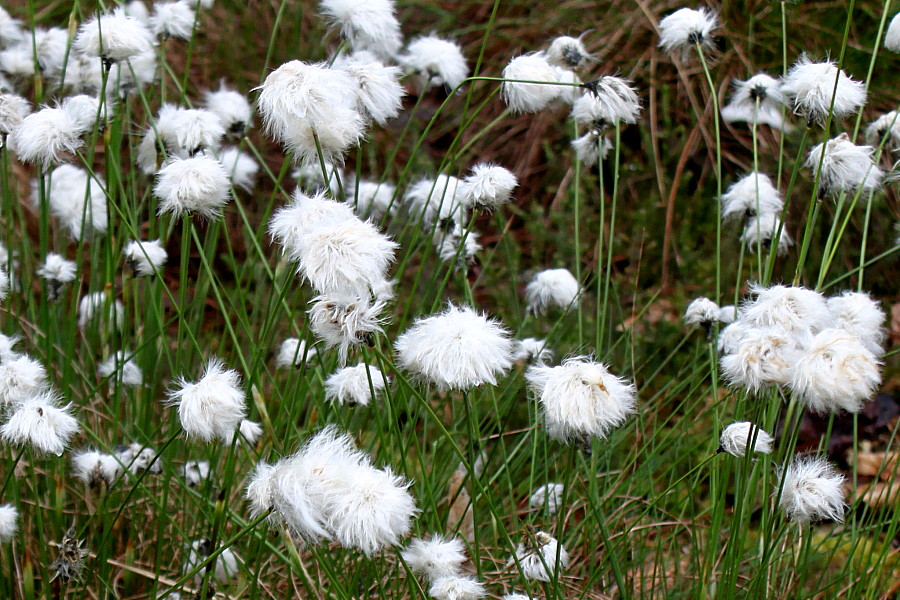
(58, 272)
(113, 37)
(736, 438)
(42, 423)
(548, 496)
(436, 557)
(293, 353)
(436, 62)
(750, 196)
(456, 587)
(757, 100)
(488, 186)
(524, 97)
(845, 167)
(145, 258)
(212, 407)
(197, 186)
(567, 52)
(813, 491)
(122, 369)
(686, 28)
(552, 288)
(345, 321)
(9, 522)
(540, 556)
(367, 24)
(810, 87)
(355, 385)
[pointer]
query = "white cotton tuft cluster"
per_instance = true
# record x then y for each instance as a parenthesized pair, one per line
(41, 422)
(819, 89)
(488, 186)
(355, 385)
(113, 37)
(736, 438)
(122, 369)
(552, 288)
(888, 123)
(437, 202)
(759, 101)
(250, 431)
(293, 353)
(227, 564)
(758, 203)
(240, 167)
(212, 407)
(608, 100)
(197, 186)
(580, 399)
(21, 377)
(138, 458)
(329, 490)
(813, 491)
(172, 19)
(343, 322)
(372, 200)
(845, 167)
(892, 35)
(567, 52)
(531, 350)
(378, 88)
(435, 62)
(369, 25)
(591, 147)
(195, 472)
(456, 349)
(96, 468)
(312, 107)
(540, 556)
(51, 134)
(13, 109)
(524, 97)
(99, 308)
(58, 272)
(457, 587)
(182, 133)
(686, 28)
(435, 558)
(9, 522)
(549, 496)
(145, 258)
(827, 352)
(232, 108)
(76, 199)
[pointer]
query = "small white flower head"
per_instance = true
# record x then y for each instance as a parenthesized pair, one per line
(728, 314)
(77, 200)
(122, 369)
(227, 564)
(21, 377)
(488, 186)
(50, 47)
(145, 258)
(304, 103)
(552, 288)
(571, 85)
(378, 86)
(355, 385)
(749, 196)
(293, 353)
(197, 185)
(260, 489)
(686, 28)
(608, 100)
(372, 200)
(113, 37)
(892, 36)
(757, 100)
(11, 31)
(437, 201)
(232, 108)
(195, 472)
(524, 97)
(810, 87)
(859, 315)
(58, 272)
(8, 354)
(567, 52)
(836, 373)
(367, 24)
(591, 147)
(138, 458)
(250, 431)
(548, 496)
(130, 76)
(436, 62)
(95, 468)
(702, 311)
(240, 167)
(41, 422)
(345, 321)
(172, 19)
(456, 245)
(531, 350)
(813, 491)
(736, 437)
(456, 587)
(136, 9)
(182, 132)
(213, 406)
(51, 134)
(310, 178)
(99, 307)
(798, 311)
(9, 522)
(731, 336)
(436, 557)
(456, 349)
(888, 123)
(13, 110)
(540, 556)
(760, 358)
(846, 167)
(580, 399)
(760, 231)
(290, 223)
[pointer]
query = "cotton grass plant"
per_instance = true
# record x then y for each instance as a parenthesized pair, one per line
(385, 300)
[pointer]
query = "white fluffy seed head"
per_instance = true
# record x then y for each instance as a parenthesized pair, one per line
(250, 431)
(232, 108)
(436, 557)
(345, 321)
(94, 468)
(859, 315)
(685, 28)
(892, 36)
(138, 458)
(591, 147)
(290, 223)
(58, 271)
(457, 245)
(212, 407)
(113, 37)
(145, 258)
(8, 353)
(77, 200)
(378, 88)
(198, 186)
(21, 377)
(182, 132)
(9, 522)
(355, 385)
(888, 123)
(456, 587)
(488, 186)
(749, 196)
(524, 97)
(42, 423)
(372, 200)
(13, 109)
(760, 358)
(845, 167)
(259, 488)
(50, 135)
(736, 438)
(701, 311)
(240, 167)
(293, 353)
(580, 398)
(760, 231)
(436, 62)
(757, 100)
(531, 350)
(552, 288)
(195, 472)
(456, 349)
(437, 201)
(122, 368)
(567, 52)
(810, 87)
(607, 101)
(106, 311)
(836, 372)
(367, 24)
(797, 311)
(172, 19)
(548, 496)
(227, 564)
(540, 556)
(813, 491)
